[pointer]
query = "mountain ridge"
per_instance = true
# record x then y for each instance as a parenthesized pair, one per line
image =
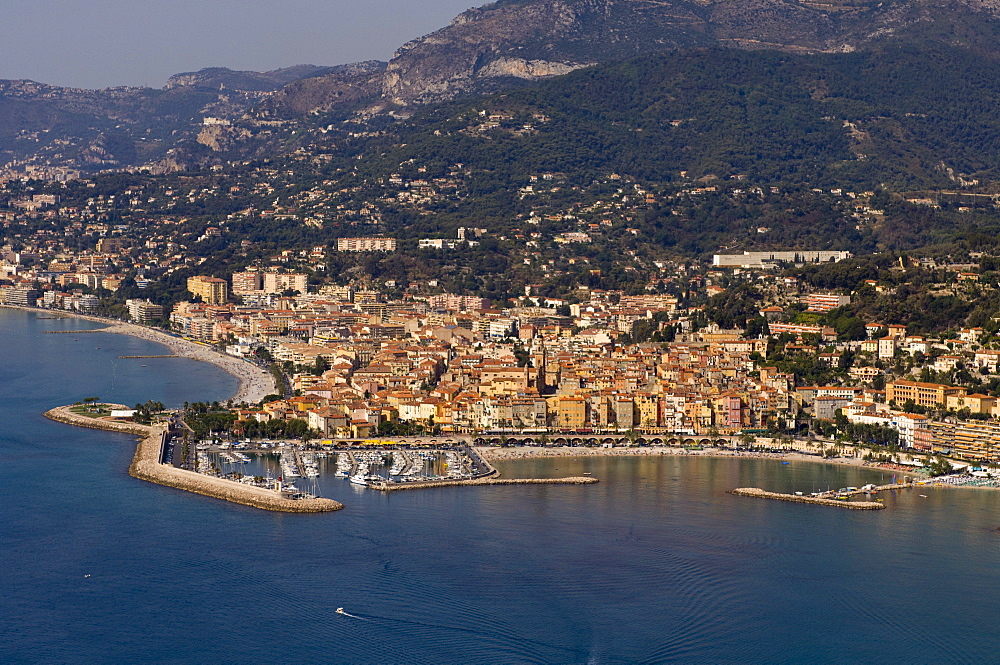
(483, 50)
(487, 48)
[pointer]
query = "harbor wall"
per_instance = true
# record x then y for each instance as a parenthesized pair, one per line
(146, 466)
(479, 482)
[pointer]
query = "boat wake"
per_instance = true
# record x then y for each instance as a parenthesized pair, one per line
(521, 640)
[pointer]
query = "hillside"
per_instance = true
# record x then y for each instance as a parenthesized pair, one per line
(513, 41)
(117, 128)
(818, 110)
(902, 116)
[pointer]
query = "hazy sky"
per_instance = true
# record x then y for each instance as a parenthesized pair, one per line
(100, 43)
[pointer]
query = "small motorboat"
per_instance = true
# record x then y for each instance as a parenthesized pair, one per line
(340, 610)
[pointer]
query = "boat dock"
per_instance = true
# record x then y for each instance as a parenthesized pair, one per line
(818, 501)
(479, 482)
(838, 499)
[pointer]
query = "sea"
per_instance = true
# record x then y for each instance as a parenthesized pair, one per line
(654, 564)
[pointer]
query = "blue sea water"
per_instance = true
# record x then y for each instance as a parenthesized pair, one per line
(655, 564)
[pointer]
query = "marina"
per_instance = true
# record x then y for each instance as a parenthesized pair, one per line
(263, 476)
(382, 469)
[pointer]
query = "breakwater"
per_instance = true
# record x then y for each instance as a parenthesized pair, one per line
(479, 482)
(795, 498)
(146, 466)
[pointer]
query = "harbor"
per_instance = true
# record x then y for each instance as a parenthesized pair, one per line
(149, 464)
(383, 469)
(263, 474)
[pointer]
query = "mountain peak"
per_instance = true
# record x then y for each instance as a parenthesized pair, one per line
(497, 45)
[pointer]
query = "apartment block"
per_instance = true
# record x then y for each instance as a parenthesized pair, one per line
(367, 244)
(213, 291)
(922, 394)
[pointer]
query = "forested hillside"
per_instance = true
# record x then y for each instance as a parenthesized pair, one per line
(900, 117)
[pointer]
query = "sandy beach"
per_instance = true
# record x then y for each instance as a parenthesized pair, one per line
(255, 383)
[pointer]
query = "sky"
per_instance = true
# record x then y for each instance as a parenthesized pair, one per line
(102, 43)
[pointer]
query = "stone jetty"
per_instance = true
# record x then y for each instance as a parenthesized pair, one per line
(479, 482)
(146, 466)
(143, 357)
(818, 501)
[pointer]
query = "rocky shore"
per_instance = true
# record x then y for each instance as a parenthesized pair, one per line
(146, 466)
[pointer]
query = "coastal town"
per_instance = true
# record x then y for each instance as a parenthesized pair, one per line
(770, 344)
(356, 364)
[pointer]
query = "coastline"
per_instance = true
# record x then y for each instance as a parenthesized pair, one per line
(254, 382)
(146, 466)
(495, 454)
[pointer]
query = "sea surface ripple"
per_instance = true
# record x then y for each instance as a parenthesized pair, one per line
(655, 564)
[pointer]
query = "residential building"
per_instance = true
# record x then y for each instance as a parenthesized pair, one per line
(213, 291)
(921, 394)
(367, 244)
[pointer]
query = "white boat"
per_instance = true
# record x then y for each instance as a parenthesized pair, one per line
(340, 610)
(359, 479)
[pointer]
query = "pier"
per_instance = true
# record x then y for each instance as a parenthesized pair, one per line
(815, 500)
(479, 482)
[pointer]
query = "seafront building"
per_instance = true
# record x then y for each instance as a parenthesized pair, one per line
(144, 311)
